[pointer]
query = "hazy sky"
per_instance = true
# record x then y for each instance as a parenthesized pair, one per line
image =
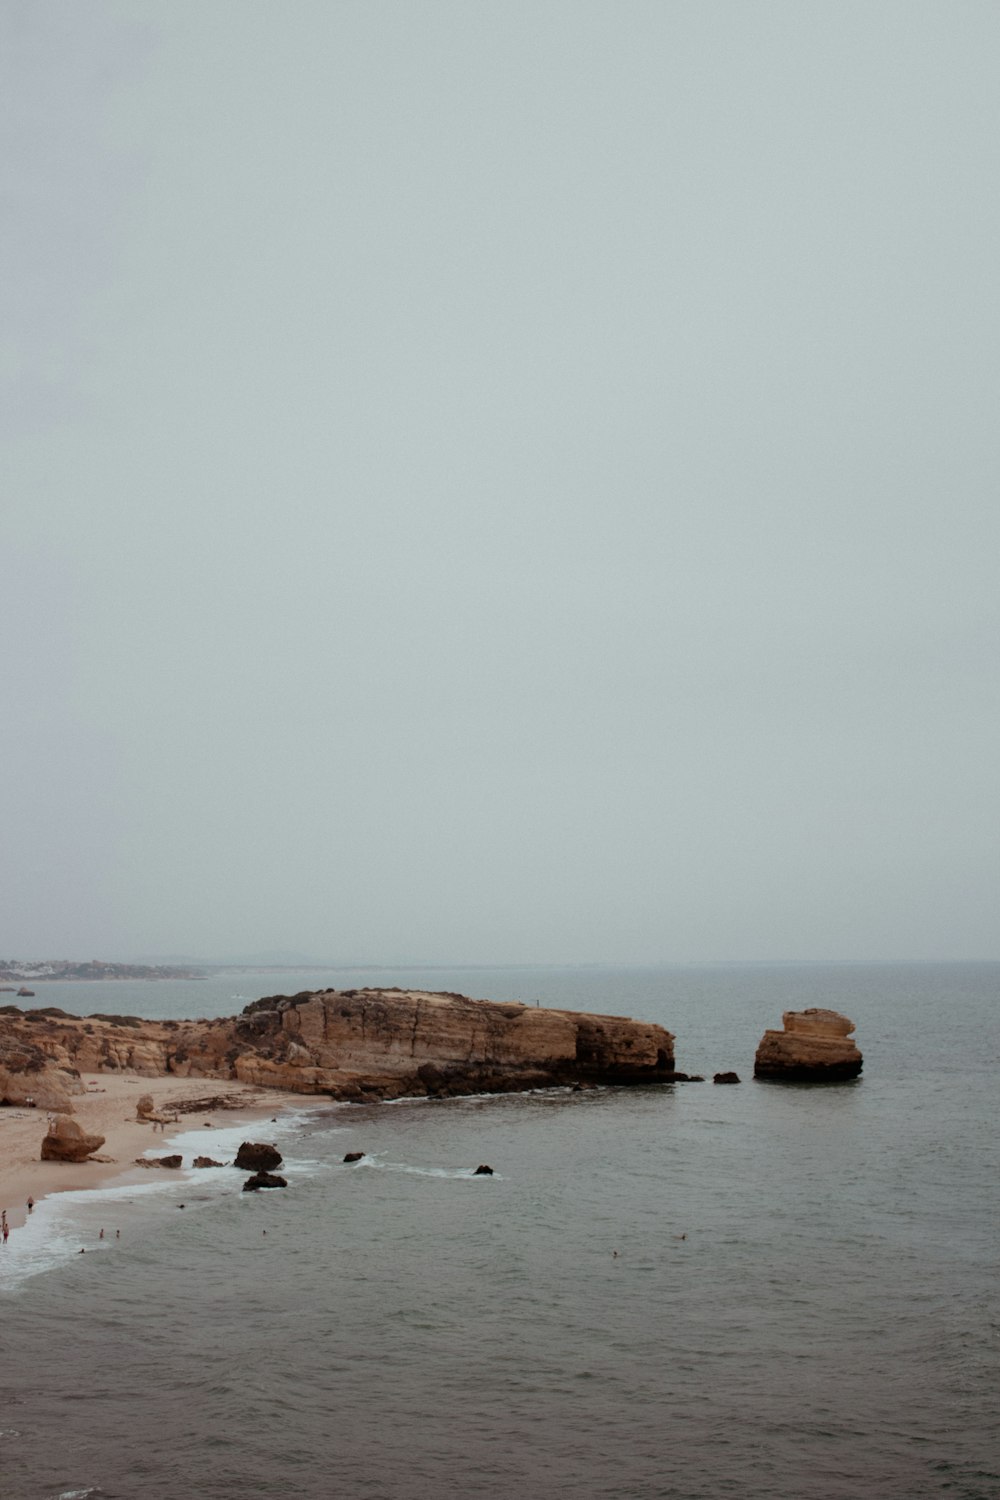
(500, 481)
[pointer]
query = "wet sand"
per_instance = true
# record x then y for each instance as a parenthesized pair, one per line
(108, 1108)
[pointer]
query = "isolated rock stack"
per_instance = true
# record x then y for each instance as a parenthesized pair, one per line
(258, 1158)
(66, 1141)
(814, 1047)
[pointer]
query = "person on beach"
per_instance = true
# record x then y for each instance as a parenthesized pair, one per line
(6, 1231)
(31, 1204)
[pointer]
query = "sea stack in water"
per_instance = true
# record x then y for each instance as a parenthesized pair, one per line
(814, 1047)
(256, 1156)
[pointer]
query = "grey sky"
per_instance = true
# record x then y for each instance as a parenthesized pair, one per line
(500, 481)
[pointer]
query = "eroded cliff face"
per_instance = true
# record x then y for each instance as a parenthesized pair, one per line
(358, 1044)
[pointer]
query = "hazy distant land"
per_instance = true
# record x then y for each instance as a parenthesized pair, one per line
(21, 971)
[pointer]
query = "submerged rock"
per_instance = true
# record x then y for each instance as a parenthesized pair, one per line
(483, 1170)
(354, 1156)
(814, 1047)
(726, 1078)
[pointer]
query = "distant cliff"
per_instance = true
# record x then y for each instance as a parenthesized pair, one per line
(347, 1044)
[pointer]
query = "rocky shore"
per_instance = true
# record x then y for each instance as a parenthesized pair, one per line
(344, 1044)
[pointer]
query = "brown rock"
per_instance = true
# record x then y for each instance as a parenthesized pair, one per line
(171, 1162)
(354, 1156)
(66, 1141)
(384, 1043)
(257, 1157)
(144, 1108)
(206, 1161)
(360, 1045)
(263, 1180)
(726, 1078)
(814, 1047)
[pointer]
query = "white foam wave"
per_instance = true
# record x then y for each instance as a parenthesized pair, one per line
(456, 1173)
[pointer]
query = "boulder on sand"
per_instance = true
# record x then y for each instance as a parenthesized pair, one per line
(66, 1141)
(814, 1047)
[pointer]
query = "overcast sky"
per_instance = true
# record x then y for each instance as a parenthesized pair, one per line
(500, 481)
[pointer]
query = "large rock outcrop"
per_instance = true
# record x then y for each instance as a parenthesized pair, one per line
(66, 1141)
(814, 1047)
(361, 1044)
(395, 1042)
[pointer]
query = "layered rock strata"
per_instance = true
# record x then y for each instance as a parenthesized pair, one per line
(66, 1141)
(814, 1047)
(357, 1044)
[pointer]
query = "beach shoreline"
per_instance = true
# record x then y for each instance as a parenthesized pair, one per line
(108, 1107)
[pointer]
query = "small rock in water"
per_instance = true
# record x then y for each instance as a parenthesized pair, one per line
(262, 1180)
(726, 1078)
(255, 1156)
(483, 1171)
(354, 1156)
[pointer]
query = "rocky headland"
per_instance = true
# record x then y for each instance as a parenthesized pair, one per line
(815, 1046)
(362, 1044)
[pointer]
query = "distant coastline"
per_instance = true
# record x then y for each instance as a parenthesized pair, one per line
(38, 971)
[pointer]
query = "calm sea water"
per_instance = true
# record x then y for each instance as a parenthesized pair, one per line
(803, 1302)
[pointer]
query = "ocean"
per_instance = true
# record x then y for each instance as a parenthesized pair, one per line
(678, 1292)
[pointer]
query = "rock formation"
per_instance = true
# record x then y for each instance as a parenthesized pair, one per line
(26, 1072)
(726, 1078)
(257, 1157)
(814, 1047)
(361, 1045)
(263, 1180)
(65, 1141)
(207, 1161)
(170, 1162)
(381, 1043)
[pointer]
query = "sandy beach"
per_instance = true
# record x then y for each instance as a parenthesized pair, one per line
(108, 1108)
